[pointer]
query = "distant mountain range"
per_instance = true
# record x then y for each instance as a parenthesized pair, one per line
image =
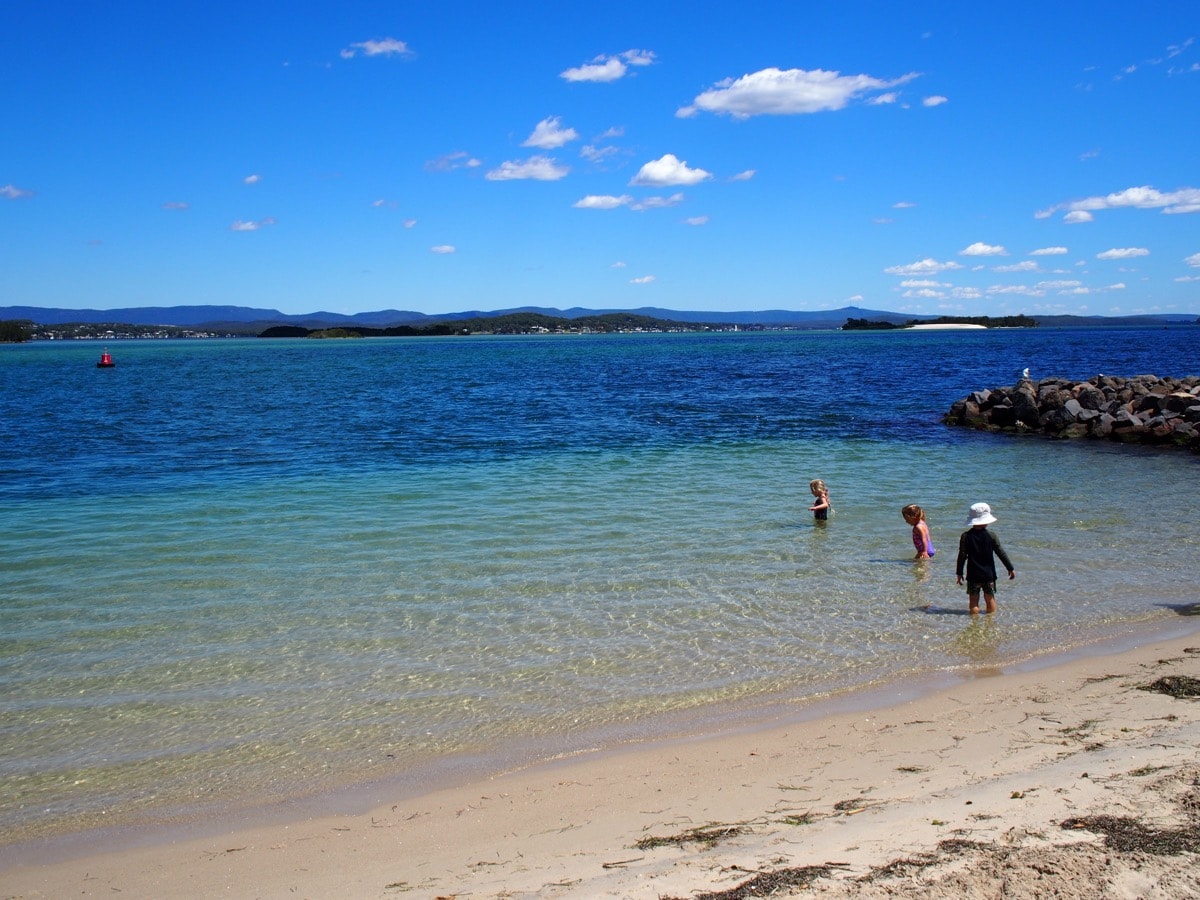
(248, 319)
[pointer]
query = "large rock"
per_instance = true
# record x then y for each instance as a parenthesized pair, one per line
(1178, 401)
(1025, 406)
(1141, 409)
(1089, 396)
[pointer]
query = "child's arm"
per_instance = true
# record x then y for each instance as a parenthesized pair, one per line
(1012, 573)
(822, 503)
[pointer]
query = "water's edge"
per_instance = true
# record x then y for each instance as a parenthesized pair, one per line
(460, 770)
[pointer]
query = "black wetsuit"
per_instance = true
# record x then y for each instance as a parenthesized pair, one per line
(975, 548)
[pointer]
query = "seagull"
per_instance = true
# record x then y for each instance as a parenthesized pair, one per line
(1025, 372)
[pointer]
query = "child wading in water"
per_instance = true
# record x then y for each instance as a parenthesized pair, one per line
(820, 509)
(915, 516)
(975, 549)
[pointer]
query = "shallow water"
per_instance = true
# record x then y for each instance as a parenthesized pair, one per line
(237, 571)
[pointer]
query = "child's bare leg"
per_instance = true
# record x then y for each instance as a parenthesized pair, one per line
(990, 602)
(974, 603)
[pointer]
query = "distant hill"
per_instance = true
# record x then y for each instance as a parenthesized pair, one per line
(196, 316)
(1084, 321)
(249, 319)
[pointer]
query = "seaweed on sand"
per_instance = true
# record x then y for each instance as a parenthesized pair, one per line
(1180, 686)
(1125, 834)
(708, 835)
(946, 849)
(766, 884)
(1122, 833)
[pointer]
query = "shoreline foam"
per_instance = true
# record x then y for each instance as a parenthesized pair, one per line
(858, 787)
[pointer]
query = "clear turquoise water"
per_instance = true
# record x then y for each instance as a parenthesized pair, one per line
(238, 571)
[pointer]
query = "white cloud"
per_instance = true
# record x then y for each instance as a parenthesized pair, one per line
(744, 176)
(884, 99)
(549, 134)
(927, 266)
(410, 223)
(443, 249)
(935, 100)
(645, 279)
(903, 204)
(458, 160)
(385, 47)
(175, 205)
(1078, 216)
(1193, 260)
(608, 201)
(780, 92)
(537, 168)
(923, 283)
(657, 202)
(1026, 265)
(252, 179)
(592, 153)
(11, 192)
(602, 201)
(608, 68)
(668, 170)
(242, 225)
(602, 69)
(1174, 50)
(617, 265)
(1123, 253)
(1184, 200)
(1049, 251)
(981, 249)
(697, 220)
(1022, 289)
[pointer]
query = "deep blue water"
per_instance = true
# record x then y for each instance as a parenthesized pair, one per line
(181, 412)
(233, 571)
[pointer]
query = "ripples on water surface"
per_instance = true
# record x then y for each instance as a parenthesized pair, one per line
(240, 570)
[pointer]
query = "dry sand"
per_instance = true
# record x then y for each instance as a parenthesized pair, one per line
(1067, 781)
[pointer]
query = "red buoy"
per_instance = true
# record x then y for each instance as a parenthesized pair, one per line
(106, 361)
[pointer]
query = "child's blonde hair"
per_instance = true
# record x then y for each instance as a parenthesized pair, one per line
(817, 486)
(913, 510)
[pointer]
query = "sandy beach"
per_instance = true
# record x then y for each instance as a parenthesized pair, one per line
(1078, 779)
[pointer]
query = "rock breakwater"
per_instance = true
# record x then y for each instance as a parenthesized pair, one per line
(1144, 409)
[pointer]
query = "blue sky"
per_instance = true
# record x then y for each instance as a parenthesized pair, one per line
(445, 156)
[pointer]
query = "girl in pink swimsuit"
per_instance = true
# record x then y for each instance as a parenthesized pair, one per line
(915, 516)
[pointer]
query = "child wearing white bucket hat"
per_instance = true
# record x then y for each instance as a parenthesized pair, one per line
(976, 548)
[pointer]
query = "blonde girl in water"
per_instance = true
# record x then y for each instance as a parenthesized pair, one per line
(915, 516)
(821, 508)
